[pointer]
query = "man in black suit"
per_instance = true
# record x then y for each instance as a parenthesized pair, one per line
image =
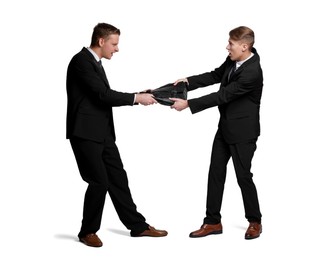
(238, 100)
(90, 128)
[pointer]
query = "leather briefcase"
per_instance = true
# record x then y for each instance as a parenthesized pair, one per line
(162, 94)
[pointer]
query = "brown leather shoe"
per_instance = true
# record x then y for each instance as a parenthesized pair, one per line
(207, 229)
(253, 231)
(152, 232)
(91, 240)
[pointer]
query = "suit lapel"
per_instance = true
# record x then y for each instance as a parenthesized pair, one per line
(226, 78)
(100, 70)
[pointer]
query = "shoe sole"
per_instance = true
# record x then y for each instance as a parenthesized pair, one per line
(90, 245)
(211, 233)
(250, 238)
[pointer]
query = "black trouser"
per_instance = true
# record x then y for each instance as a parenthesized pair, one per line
(101, 167)
(242, 154)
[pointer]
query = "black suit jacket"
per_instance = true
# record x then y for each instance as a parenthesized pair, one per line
(90, 99)
(238, 98)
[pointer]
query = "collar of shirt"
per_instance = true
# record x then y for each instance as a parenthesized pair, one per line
(239, 63)
(94, 54)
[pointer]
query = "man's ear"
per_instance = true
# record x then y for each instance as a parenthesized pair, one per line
(101, 42)
(244, 47)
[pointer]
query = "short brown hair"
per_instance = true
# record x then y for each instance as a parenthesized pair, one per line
(243, 33)
(103, 30)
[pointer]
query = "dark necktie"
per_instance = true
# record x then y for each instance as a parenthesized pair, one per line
(101, 67)
(101, 70)
(232, 71)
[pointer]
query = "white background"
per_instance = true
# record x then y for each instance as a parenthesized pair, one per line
(166, 153)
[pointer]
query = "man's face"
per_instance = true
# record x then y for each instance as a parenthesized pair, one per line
(236, 49)
(109, 46)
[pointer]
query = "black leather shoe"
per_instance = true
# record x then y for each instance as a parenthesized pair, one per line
(207, 229)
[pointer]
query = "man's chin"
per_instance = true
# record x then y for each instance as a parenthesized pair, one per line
(108, 56)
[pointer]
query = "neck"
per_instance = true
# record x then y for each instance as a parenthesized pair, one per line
(97, 51)
(245, 56)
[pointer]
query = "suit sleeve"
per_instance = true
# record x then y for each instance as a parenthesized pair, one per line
(206, 79)
(94, 85)
(246, 82)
